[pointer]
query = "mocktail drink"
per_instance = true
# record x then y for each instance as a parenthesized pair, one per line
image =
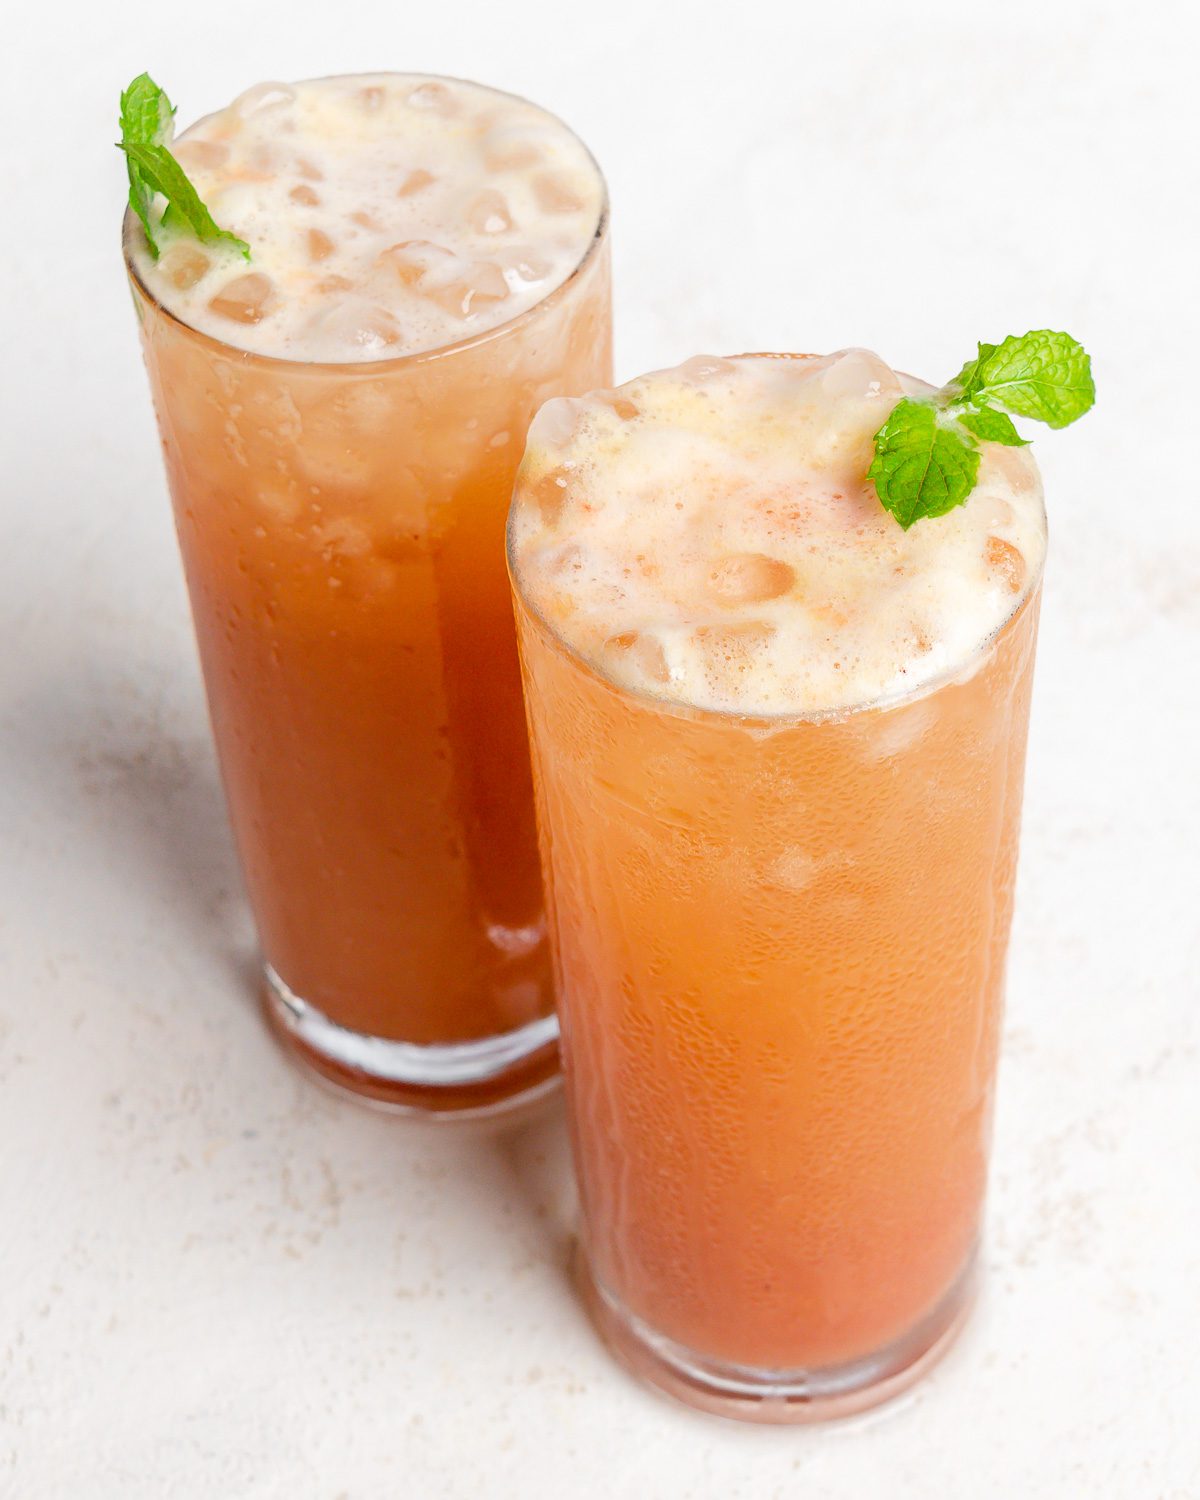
(778, 750)
(342, 417)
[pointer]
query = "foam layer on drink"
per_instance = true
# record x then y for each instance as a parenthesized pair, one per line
(707, 535)
(386, 214)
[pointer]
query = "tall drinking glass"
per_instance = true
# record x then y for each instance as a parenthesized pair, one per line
(779, 910)
(340, 500)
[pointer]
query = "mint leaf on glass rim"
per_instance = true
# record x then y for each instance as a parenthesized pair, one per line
(921, 467)
(147, 126)
(927, 452)
(164, 174)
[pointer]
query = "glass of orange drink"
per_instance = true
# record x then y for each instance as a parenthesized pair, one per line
(341, 418)
(778, 749)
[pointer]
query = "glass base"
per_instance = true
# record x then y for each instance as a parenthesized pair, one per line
(777, 1396)
(497, 1075)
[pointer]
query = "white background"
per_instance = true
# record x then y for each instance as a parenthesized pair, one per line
(217, 1282)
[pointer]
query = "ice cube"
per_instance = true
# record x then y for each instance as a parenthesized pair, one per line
(435, 97)
(262, 97)
(549, 494)
(556, 194)
(479, 285)
(731, 649)
(416, 180)
(304, 195)
(702, 368)
(749, 578)
(412, 260)
(526, 263)
(557, 421)
(365, 220)
(509, 149)
(641, 651)
(309, 169)
(183, 264)
(353, 324)
(857, 374)
(1005, 564)
(320, 246)
(245, 299)
(487, 213)
(344, 536)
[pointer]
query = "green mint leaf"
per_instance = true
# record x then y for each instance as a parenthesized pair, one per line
(992, 426)
(927, 452)
(922, 466)
(1042, 374)
(147, 126)
(967, 381)
(147, 115)
(147, 118)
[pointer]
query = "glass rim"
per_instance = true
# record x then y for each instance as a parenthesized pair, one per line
(130, 225)
(900, 698)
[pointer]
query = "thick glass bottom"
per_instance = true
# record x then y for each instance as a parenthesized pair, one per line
(496, 1075)
(777, 1396)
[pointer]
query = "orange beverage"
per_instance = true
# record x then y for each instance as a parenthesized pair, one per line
(778, 752)
(341, 421)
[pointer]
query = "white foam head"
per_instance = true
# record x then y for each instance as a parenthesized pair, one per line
(707, 535)
(386, 214)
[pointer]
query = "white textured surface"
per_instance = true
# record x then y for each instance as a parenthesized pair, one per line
(215, 1281)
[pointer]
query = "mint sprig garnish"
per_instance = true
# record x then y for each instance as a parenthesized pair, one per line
(147, 127)
(927, 452)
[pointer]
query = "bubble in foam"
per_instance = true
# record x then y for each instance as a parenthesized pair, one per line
(320, 246)
(304, 196)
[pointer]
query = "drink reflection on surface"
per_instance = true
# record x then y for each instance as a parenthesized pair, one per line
(778, 751)
(341, 433)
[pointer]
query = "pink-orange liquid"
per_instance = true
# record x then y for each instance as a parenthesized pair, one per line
(780, 954)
